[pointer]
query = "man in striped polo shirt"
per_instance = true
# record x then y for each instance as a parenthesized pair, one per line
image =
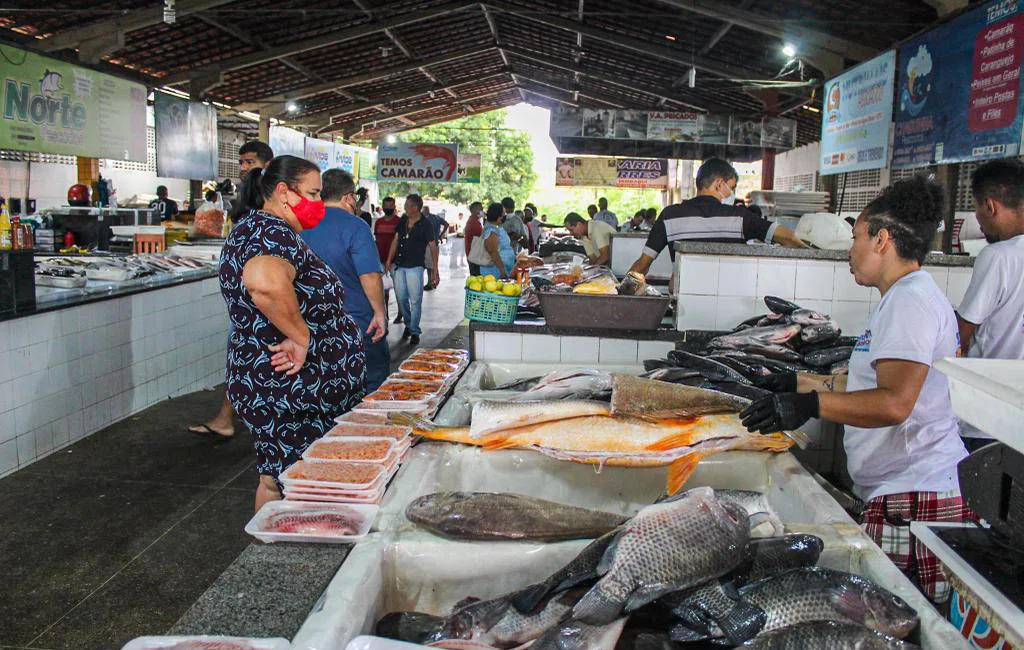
(711, 216)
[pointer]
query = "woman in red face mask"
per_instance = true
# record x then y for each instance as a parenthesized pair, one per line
(295, 357)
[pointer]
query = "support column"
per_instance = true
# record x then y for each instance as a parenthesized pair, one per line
(264, 128)
(768, 170)
(947, 176)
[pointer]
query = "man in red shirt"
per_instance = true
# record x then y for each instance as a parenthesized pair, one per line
(384, 232)
(473, 229)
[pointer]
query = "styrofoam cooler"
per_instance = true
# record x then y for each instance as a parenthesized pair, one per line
(428, 574)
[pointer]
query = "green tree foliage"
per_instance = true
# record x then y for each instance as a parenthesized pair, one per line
(506, 161)
(558, 202)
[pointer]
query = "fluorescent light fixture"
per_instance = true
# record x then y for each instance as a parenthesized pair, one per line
(391, 138)
(670, 37)
(811, 109)
(789, 50)
(292, 107)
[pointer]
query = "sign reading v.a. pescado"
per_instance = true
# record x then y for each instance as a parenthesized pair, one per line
(50, 106)
(417, 161)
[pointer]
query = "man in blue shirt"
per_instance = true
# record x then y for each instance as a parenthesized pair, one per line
(344, 242)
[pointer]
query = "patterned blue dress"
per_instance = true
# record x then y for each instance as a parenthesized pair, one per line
(286, 414)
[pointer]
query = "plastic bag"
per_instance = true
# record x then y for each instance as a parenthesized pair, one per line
(209, 221)
(389, 283)
(604, 284)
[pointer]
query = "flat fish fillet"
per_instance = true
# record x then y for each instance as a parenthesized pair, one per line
(332, 524)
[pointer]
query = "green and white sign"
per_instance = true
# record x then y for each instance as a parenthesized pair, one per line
(469, 167)
(50, 106)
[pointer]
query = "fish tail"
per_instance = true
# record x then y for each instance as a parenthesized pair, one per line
(428, 429)
(674, 441)
(527, 600)
(679, 472)
(598, 606)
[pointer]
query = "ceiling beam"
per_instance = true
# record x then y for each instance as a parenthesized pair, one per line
(724, 70)
(390, 99)
(627, 84)
(945, 7)
(245, 36)
(299, 46)
(723, 30)
(327, 86)
(409, 113)
(560, 100)
(573, 92)
(804, 38)
(129, 21)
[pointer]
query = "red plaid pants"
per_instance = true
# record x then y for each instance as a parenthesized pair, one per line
(886, 520)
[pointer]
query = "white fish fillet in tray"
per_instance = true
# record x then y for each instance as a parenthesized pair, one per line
(203, 642)
(301, 521)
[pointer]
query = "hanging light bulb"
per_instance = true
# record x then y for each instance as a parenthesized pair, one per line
(789, 50)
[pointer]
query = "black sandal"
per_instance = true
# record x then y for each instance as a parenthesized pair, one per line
(210, 434)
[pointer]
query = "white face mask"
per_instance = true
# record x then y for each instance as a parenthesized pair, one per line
(729, 200)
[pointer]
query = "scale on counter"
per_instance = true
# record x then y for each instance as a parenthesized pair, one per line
(986, 564)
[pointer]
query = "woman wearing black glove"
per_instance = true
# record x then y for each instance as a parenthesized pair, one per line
(902, 438)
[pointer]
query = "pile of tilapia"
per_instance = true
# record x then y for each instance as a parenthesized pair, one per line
(682, 573)
(600, 418)
(788, 339)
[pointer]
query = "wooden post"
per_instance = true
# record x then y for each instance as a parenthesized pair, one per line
(264, 128)
(768, 170)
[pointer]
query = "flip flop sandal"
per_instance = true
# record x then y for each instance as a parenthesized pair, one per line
(210, 434)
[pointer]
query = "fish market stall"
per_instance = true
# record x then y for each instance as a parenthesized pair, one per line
(417, 559)
(108, 336)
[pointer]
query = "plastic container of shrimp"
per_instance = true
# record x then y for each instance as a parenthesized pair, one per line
(353, 450)
(363, 416)
(301, 521)
(396, 432)
(203, 642)
(335, 474)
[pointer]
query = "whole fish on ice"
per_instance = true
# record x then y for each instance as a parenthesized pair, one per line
(830, 635)
(667, 546)
(621, 441)
(501, 516)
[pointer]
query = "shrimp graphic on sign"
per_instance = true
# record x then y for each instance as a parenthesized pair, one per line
(436, 152)
(431, 163)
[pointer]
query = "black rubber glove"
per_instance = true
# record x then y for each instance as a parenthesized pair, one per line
(780, 412)
(777, 382)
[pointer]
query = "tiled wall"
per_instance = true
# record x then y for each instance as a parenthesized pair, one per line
(545, 348)
(719, 292)
(69, 373)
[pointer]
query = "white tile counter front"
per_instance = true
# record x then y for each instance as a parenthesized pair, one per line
(67, 373)
(718, 291)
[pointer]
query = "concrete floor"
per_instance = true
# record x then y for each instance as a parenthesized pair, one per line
(116, 536)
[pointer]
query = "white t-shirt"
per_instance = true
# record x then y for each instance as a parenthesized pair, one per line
(913, 322)
(995, 303)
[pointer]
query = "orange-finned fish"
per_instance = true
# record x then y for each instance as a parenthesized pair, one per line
(617, 440)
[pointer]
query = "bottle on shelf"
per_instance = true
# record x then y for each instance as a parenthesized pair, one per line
(69, 239)
(16, 234)
(6, 232)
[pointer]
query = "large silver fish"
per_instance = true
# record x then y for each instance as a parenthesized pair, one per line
(814, 594)
(666, 547)
(494, 416)
(501, 516)
(820, 635)
(583, 383)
